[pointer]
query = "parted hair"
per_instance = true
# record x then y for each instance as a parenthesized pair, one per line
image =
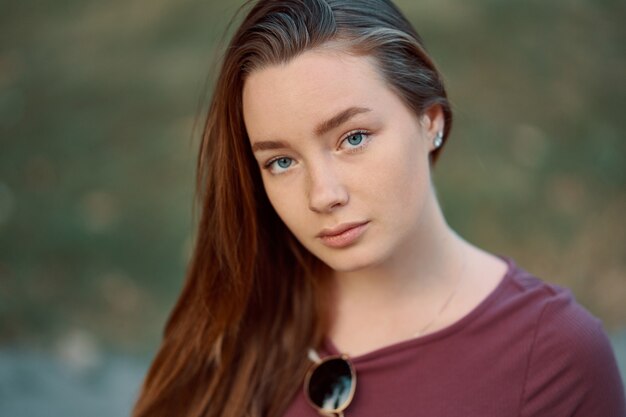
(254, 299)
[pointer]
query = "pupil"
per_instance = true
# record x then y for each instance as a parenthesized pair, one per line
(355, 139)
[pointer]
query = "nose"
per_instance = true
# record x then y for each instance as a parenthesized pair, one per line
(325, 189)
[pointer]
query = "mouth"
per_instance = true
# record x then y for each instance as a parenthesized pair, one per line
(343, 235)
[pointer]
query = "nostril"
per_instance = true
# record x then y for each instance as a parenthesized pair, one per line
(328, 201)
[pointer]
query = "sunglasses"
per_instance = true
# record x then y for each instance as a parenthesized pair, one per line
(330, 383)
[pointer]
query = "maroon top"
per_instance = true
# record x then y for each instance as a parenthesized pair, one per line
(528, 349)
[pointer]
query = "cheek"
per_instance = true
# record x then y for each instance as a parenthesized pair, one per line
(416, 177)
(396, 195)
(397, 176)
(286, 204)
(413, 184)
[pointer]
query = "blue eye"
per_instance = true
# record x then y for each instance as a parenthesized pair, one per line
(283, 162)
(355, 139)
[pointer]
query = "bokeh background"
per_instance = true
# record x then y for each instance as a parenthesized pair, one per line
(98, 103)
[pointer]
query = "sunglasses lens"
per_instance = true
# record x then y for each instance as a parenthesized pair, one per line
(330, 384)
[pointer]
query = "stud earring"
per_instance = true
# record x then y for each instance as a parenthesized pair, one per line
(438, 139)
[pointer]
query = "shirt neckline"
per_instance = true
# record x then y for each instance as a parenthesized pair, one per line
(329, 347)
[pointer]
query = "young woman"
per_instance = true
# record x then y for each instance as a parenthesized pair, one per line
(325, 279)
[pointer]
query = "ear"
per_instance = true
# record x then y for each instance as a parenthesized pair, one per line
(432, 122)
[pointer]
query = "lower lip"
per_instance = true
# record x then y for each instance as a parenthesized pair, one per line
(346, 238)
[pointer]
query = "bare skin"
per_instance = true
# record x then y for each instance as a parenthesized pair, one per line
(371, 167)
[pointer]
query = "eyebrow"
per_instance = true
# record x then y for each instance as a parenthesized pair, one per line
(339, 119)
(321, 129)
(268, 145)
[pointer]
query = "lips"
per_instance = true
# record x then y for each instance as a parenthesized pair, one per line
(339, 229)
(343, 236)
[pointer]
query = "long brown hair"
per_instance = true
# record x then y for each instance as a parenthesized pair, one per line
(254, 298)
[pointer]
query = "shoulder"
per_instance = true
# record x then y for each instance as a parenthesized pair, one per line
(560, 320)
(571, 367)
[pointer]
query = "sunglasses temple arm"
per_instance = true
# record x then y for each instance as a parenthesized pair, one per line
(314, 356)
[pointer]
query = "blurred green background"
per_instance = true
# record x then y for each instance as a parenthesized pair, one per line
(97, 154)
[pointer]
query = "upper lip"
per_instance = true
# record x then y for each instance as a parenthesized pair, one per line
(339, 229)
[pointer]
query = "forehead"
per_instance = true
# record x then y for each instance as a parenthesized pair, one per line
(309, 88)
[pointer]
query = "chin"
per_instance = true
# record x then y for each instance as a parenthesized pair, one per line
(346, 260)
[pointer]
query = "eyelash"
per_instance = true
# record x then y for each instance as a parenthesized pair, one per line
(357, 149)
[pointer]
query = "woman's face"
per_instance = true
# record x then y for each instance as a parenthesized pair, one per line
(336, 146)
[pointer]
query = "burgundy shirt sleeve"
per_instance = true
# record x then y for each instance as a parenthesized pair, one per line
(572, 369)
